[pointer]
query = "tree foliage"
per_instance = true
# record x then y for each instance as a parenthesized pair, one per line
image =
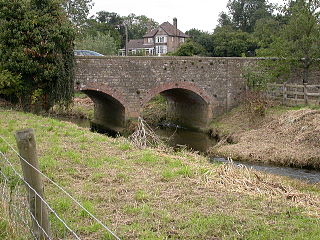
(245, 13)
(101, 43)
(114, 24)
(138, 25)
(77, 10)
(228, 42)
(36, 53)
(202, 38)
(298, 42)
(189, 48)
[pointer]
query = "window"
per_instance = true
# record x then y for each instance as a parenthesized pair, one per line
(161, 39)
(181, 40)
(150, 40)
(162, 49)
(149, 51)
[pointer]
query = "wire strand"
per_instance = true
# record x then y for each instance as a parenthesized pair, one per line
(64, 191)
(57, 216)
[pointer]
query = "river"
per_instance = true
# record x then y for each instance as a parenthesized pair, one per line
(182, 138)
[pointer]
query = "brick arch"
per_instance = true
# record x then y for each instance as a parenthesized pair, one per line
(173, 85)
(106, 90)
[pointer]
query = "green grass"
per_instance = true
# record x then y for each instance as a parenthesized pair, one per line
(156, 194)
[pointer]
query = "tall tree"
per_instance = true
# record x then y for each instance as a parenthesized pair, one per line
(78, 10)
(138, 25)
(224, 20)
(245, 13)
(298, 43)
(37, 46)
(110, 18)
(266, 30)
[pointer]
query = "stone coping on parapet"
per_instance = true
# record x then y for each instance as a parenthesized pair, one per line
(181, 57)
(170, 57)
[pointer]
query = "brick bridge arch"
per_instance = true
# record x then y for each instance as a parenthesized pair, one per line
(197, 88)
(110, 106)
(187, 104)
(173, 85)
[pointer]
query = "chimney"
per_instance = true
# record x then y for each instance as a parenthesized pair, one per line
(175, 24)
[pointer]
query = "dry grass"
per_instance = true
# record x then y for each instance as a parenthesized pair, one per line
(291, 138)
(161, 194)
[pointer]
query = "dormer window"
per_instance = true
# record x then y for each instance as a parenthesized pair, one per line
(161, 39)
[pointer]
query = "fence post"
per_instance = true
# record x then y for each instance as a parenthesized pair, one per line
(27, 149)
(305, 93)
(284, 93)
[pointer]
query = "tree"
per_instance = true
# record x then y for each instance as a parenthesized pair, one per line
(297, 46)
(37, 50)
(77, 10)
(224, 20)
(101, 43)
(265, 31)
(245, 13)
(228, 42)
(189, 48)
(202, 38)
(114, 24)
(138, 25)
(94, 27)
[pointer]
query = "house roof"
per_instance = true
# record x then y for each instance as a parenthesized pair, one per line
(168, 28)
(138, 43)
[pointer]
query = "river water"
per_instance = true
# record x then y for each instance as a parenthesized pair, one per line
(181, 138)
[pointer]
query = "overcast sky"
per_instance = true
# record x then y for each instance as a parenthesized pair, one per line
(199, 14)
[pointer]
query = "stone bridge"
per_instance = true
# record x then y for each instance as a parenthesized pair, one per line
(196, 88)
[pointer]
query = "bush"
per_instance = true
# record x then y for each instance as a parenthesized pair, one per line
(256, 103)
(10, 84)
(36, 53)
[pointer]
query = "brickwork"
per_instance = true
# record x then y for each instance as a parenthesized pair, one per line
(133, 81)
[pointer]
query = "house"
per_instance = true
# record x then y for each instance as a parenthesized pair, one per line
(165, 38)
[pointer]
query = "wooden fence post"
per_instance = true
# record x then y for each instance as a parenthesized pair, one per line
(27, 149)
(284, 94)
(305, 94)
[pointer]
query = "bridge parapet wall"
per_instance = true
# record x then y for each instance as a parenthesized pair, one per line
(134, 80)
(213, 84)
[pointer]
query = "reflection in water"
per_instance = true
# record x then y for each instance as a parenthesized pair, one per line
(180, 137)
(311, 176)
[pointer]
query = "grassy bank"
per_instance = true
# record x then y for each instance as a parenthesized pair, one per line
(161, 194)
(283, 136)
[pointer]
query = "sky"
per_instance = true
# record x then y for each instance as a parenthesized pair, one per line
(199, 14)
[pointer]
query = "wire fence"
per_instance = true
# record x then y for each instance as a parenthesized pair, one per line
(20, 217)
